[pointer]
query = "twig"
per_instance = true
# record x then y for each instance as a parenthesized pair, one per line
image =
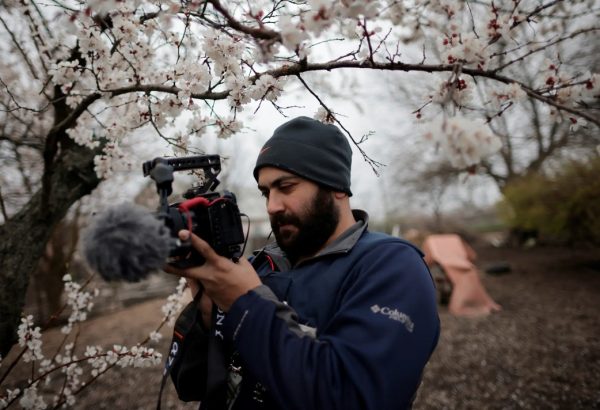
(574, 34)
(17, 44)
(374, 164)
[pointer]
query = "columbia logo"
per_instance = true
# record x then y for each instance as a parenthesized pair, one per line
(396, 315)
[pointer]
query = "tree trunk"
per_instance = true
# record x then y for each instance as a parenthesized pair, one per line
(23, 237)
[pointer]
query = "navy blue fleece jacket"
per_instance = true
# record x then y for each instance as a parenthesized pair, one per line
(351, 328)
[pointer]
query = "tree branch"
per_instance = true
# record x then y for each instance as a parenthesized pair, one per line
(541, 48)
(259, 33)
(296, 69)
(21, 51)
(374, 164)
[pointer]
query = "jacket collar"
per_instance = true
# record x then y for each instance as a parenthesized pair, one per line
(343, 244)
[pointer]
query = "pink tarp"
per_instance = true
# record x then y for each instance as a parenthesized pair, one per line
(455, 257)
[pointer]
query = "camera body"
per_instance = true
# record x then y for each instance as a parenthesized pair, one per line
(208, 214)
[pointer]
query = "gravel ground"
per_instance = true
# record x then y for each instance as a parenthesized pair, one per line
(542, 351)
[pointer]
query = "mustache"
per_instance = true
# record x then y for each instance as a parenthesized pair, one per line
(284, 219)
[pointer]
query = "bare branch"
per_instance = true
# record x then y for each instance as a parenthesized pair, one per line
(17, 44)
(374, 164)
(559, 40)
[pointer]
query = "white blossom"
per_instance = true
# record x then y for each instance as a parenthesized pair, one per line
(463, 141)
(266, 87)
(30, 337)
(321, 114)
(174, 302)
(84, 133)
(457, 91)
(356, 8)
(515, 92)
(239, 94)
(96, 359)
(155, 336)
(10, 396)
(292, 34)
(504, 93)
(225, 52)
(80, 303)
(113, 160)
(498, 24)
(319, 18)
(194, 76)
(64, 72)
(591, 87)
(466, 49)
(576, 123)
(31, 399)
(198, 124)
(396, 12)
(228, 127)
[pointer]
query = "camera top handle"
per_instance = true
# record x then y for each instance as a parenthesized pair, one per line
(161, 170)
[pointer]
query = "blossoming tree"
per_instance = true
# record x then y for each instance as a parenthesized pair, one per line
(62, 375)
(79, 76)
(534, 136)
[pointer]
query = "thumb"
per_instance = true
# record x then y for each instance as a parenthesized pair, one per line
(199, 244)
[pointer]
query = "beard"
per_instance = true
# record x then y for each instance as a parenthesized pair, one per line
(310, 230)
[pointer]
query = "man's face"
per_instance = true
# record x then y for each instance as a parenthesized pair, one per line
(303, 215)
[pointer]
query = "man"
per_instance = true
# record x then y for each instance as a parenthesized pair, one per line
(332, 316)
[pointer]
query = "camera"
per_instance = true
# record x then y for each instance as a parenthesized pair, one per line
(208, 214)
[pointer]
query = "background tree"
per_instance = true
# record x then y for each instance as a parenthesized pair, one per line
(79, 77)
(563, 206)
(535, 137)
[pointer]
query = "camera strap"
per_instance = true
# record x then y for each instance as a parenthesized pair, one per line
(186, 320)
(215, 392)
(217, 363)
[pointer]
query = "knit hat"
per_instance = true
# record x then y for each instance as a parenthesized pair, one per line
(310, 149)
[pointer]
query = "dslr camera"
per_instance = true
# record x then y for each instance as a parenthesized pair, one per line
(208, 214)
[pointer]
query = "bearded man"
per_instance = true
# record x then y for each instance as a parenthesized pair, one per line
(330, 316)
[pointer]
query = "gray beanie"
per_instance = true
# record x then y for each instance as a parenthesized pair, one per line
(310, 149)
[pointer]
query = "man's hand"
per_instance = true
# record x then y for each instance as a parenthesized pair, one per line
(222, 279)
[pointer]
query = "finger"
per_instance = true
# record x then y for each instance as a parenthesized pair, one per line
(172, 270)
(200, 245)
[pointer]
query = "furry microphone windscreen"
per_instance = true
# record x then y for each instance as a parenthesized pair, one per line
(126, 242)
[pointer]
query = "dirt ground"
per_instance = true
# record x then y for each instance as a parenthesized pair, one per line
(541, 352)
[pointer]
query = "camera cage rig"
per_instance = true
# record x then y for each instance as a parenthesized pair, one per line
(221, 220)
(161, 171)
